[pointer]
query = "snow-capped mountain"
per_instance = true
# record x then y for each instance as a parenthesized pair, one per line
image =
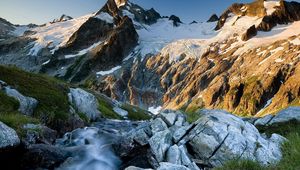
(244, 61)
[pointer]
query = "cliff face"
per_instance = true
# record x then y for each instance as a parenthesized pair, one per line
(243, 69)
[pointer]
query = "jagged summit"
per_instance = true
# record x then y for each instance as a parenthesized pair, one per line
(62, 18)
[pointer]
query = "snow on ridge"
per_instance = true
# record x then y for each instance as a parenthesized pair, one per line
(105, 17)
(270, 6)
(84, 51)
(103, 73)
(55, 35)
(120, 3)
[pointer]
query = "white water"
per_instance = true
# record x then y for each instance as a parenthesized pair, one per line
(91, 150)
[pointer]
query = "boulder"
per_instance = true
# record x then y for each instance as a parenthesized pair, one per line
(251, 32)
(135, 168)
(168, 166)
(27, 104)
(220, 136)
(284, 117)
(160, 143)
(85, 103)
(39, 134)
(41, 156)
(8, 137)
(158, 125)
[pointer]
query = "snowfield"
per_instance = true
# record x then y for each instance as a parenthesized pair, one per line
(55, 35)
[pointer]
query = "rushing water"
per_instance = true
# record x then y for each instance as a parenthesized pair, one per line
(90, 147)
(91, 150)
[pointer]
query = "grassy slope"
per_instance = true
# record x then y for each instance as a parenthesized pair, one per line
(51, 94)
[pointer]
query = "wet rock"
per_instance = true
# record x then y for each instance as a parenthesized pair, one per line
(8, 137)
(39, 134)
(43, 156)
(85, 103)
(27, 104)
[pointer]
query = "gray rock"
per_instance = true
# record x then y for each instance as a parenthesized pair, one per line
(179, 133)
(174, 155)
(43, 156)
(160, 143)
(8, 137)
(39, 134)
(220, 136)
(27, 104)
(286, 115)
(135, 168)
(170, 166)
(264, 120)
(85, 102)
(158, 125)
(185, 159)
(170, 117)
(181, 119)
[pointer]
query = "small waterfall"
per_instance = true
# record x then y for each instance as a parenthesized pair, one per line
(90, 149)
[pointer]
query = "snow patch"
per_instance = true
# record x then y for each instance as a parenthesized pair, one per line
(20, 30)
(84, 51)
(155, 110)
(103, 73)
(105, 17)
(55, 35)
(295, 41)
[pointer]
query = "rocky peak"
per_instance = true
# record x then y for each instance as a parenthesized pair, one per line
(62, 18)
(176, 20)
(213, 18)
(270, 12)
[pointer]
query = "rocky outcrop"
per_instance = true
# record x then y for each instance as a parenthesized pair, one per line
(176, 20)
(251, 32)
(27, 104)
(41, 156)
(214, 139)
(287, 116)
(8, 137)
(85, 103)
(62, 19)
(213, 18)
(38, 134)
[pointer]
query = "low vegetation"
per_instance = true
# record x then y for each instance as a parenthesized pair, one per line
(136, 113)
(50, 93)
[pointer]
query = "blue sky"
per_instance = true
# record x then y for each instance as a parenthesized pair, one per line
(42, 11)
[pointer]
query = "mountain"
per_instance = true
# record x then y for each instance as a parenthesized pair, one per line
(249, 66)
(245, 62)
(125, 87)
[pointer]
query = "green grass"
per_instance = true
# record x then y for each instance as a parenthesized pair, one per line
(107, 110)
(51, 93)
(16, 121)
(290, 151)
(136, 113)
(8, 104)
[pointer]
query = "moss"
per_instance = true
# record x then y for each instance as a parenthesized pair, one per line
(51, 93)
(83, 117)
(136, 113)
(16, 121)
(107, 110)
(241, 165)
(8, 104)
